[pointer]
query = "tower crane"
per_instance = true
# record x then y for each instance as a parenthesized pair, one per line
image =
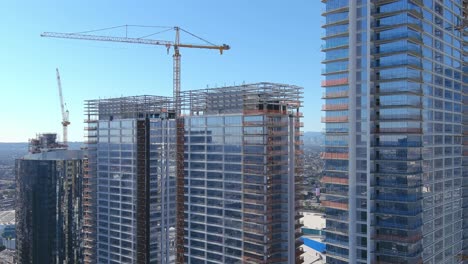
(176, 45)
(65, 120)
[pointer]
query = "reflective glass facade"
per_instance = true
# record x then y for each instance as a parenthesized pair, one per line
(393, 127)
(242, 163)
(49, 214)
(135, 181)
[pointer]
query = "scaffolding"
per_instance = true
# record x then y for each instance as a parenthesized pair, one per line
(129, 107)
(247, 99)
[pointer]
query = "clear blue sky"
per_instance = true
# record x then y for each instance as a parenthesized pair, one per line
(273, 41)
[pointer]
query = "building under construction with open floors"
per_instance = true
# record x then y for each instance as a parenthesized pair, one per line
(130, 177)
(239, 173)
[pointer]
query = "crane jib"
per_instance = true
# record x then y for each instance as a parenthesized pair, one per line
(168, 44)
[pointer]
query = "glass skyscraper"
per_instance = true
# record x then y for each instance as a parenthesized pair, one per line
(131, 155)
(242, 167)
(49, 215)
(393, 89)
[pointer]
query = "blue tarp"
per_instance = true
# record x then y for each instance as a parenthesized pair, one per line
(318, 246)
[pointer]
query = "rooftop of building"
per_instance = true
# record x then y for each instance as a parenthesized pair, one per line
(55, 154)
(223, 100)
(313, 220)
(7, 256)
(241, 98)
(7, 217)
(45, 142)
(128, 107)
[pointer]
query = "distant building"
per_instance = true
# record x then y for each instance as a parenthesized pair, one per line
(49, 203)
(8, 229)
(130, 180)
(239, 175)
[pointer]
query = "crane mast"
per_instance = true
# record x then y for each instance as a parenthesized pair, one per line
(176, 45)
(176, 73)
(65, 121)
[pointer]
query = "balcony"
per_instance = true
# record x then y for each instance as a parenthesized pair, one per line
(398, 35)
(395, 157)
(335, 119)
(335, 205)
(395, 211)
(326, 83)
(398, 130)
(406, 117)
(398, 253)
(342, 231)
(254, 123)
(335, 59)
(329, 95)
(336, 242)
(334, 9)
(414, 63)
(398, 197)
(298, 124)
(400, 144)
(278, 133)
(397, 184)
(393, 260)
(398, 104)
(331, 70)
(334, 180)
(389, 50)
(336, 45)
(331, 155)
(334, 107)
(343, 19)
(336, 217)
(414, 24)
(253, 231)
(336, 168)
(268, 123)
(343, 192)
(395, 225)
(398, 238)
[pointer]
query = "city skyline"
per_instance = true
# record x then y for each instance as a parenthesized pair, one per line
(278, 41)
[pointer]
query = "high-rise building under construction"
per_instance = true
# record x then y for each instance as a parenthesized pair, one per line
(217, 184)
(49, 203)
(239, 174)
(130, 204)
(393, 87)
